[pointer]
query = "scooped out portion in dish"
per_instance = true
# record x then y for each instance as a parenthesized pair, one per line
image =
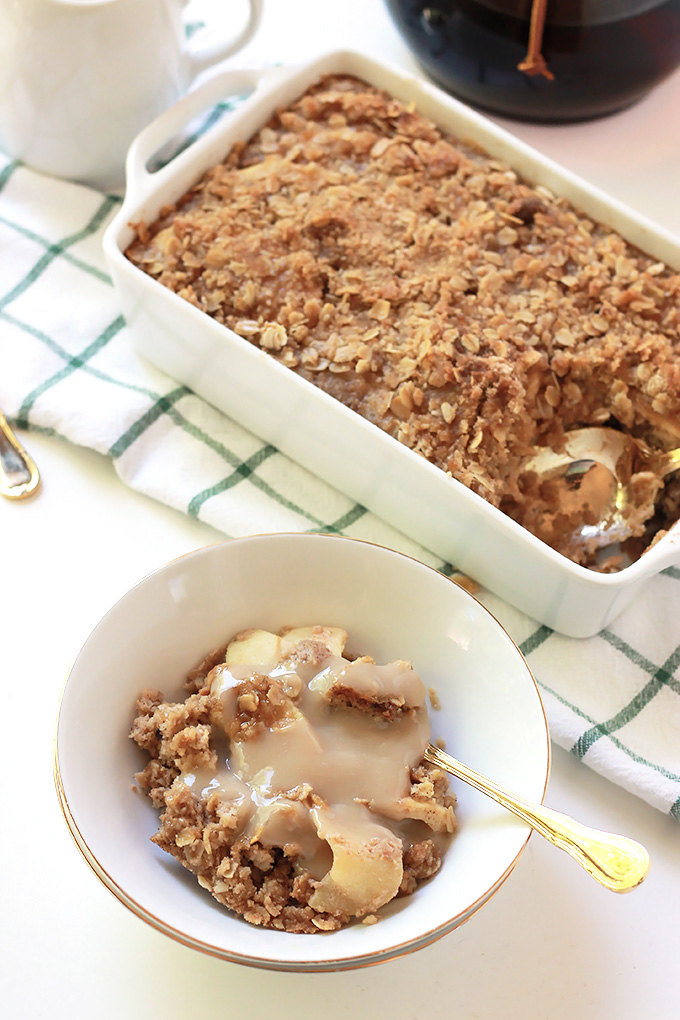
(291, 780)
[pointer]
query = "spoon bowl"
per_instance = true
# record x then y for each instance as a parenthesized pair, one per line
(605, 482)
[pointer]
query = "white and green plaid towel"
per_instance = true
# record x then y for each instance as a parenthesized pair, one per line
(69, 371)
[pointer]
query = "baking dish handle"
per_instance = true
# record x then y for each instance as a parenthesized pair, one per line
(161, 134)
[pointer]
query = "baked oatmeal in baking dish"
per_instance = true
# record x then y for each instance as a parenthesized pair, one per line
(291, 780)
(429, 288)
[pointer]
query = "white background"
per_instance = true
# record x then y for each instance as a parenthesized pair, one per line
(550, 944)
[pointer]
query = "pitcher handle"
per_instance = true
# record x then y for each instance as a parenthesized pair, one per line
(204, 55)
(140, 179)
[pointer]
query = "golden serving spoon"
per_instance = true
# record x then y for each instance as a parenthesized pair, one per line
(616, 862)
(19, 477)
(596, 466)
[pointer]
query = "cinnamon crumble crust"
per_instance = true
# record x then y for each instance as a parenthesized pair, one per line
(428, 287)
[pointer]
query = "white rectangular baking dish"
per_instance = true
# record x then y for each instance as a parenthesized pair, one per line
(314, 429)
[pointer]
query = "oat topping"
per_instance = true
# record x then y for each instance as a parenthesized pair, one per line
(428, 287)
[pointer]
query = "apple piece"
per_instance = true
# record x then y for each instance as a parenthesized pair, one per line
(334, 638)
(438, 817)
(367, 864)
(256, 648)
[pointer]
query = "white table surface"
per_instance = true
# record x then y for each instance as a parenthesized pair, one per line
(550, 944)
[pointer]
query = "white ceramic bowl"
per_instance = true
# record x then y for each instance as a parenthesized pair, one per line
(392, 606)
(320, 433)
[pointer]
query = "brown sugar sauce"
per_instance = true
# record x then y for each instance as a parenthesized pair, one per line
(348, 758)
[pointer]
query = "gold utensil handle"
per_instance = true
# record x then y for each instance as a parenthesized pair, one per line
(616, 862)
(19, 476)
(666, 463)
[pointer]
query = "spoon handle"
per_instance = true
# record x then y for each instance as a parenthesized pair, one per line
(666, 463)
(19, 476)
(616, 862)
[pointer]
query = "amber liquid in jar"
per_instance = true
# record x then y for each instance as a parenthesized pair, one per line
(604, 54)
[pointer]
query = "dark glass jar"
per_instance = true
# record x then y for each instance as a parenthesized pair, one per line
(600, 55)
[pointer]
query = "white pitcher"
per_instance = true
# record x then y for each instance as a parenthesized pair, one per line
(80, 78)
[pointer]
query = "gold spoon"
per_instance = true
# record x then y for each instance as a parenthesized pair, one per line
(616, 862)
(19, 477)
(599, 463)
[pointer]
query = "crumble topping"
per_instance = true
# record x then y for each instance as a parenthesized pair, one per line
(428, 287)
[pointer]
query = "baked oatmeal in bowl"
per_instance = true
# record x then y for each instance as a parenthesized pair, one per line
(254, 786)
(292, 781)
(409, 302)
